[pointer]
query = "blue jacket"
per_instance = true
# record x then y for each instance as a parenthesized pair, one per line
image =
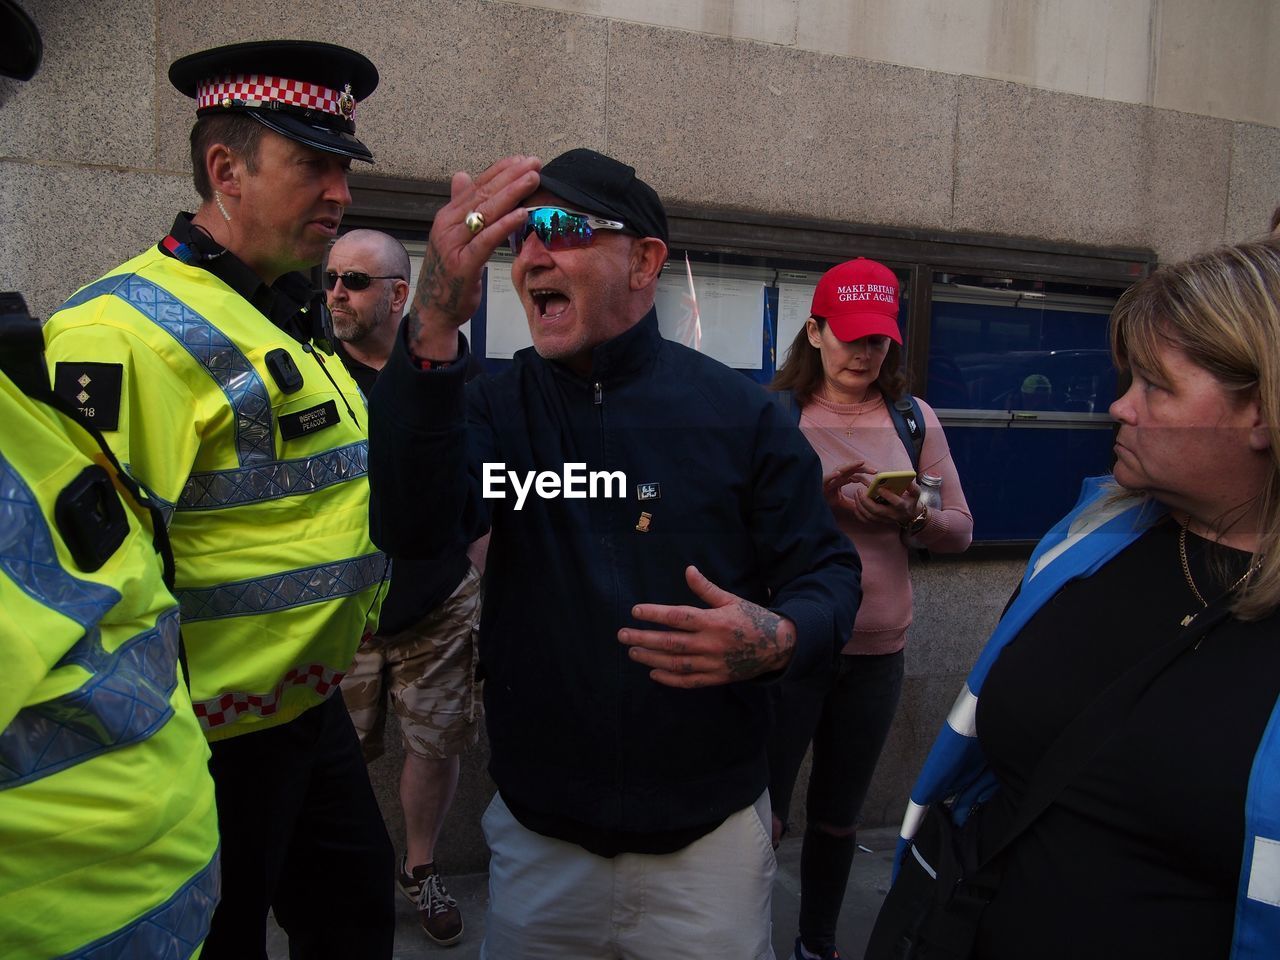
(715, 476)
(955, 770)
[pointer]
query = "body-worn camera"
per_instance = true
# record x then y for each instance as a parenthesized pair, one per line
(22, 346)
(88, 513)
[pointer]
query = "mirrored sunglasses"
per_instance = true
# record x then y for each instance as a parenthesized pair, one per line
(352, 279)
(561, 229)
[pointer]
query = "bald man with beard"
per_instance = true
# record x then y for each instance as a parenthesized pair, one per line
(367, 279)
(422, 661)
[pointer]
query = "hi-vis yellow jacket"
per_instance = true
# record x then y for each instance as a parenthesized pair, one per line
(108, 833)
(267, 481)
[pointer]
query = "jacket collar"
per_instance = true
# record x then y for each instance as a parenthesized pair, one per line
(626, 354)
(291, 303)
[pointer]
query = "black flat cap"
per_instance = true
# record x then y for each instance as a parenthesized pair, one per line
(600, 184)
(301, 89)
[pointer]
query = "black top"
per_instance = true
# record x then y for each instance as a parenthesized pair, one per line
(584, 746)
(363, 375)
(1140, 855)
(366, 376)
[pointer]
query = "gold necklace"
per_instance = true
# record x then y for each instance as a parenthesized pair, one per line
(1186, 572)
(848, 428)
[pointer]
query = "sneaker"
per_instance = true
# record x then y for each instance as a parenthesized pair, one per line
(409, 885)
(803, 953)
(437, 911)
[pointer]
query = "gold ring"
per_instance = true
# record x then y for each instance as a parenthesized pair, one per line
(474, 221)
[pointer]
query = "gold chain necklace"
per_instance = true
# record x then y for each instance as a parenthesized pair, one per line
(1186, 571)
(848, 428)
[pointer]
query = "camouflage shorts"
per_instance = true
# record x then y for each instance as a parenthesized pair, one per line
(428, 672)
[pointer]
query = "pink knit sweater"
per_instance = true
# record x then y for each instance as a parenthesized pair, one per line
(842, 433)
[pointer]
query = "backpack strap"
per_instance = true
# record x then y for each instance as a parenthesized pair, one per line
(909, 422)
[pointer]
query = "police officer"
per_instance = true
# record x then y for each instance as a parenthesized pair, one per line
(206, 363)
(107, 820)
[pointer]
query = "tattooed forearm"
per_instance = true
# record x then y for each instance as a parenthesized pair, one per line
(414, 324)
(765, 621)
(766, 646)
(435, 286)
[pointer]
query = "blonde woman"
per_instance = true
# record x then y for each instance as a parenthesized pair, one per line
(1165, 841)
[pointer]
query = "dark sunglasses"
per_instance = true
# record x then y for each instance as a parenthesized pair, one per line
(352, 279)
(560, 229)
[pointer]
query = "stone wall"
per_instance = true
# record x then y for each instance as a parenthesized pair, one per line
(713, 111)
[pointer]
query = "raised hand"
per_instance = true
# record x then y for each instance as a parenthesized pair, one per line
(449, 285)
(731, 639)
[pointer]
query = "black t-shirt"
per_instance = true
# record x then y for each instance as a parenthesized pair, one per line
(362, 375)
(1140, 854)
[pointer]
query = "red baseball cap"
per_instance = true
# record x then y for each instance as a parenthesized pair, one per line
(858, 298)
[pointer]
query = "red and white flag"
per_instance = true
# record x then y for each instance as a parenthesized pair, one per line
(689, 329)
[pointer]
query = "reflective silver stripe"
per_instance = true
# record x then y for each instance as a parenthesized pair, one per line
(924, 863)
(28, 556)
(173, 930)
(282, 591)
(212, 348)
(270, 481)
(125, 699)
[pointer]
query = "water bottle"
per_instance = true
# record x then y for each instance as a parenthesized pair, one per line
(930, 496)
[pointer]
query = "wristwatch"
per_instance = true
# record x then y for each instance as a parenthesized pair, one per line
(916, 525)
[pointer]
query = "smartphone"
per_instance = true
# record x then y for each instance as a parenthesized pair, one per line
(896, 480)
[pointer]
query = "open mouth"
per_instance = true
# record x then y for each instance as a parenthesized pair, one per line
(549, 304)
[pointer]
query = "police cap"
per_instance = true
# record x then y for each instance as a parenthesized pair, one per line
(303, 90)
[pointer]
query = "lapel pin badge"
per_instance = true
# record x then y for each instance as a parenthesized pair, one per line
(648, 491)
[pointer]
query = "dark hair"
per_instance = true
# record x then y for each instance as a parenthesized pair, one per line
(801, 371)
(1275, 219)
(238, 133)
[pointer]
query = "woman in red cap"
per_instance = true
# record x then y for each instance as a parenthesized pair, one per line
(844, 374)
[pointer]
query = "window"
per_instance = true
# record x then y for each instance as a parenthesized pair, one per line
(1005, 338)
(1020, 374)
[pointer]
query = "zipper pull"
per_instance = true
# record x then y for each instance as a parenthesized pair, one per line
(597, 394)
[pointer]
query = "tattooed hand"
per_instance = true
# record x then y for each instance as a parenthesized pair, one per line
(448, 290)
(731, 640)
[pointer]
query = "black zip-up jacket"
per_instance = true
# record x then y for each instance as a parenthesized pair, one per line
(584, 745)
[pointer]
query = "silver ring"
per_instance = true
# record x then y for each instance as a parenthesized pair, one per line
(474, 221)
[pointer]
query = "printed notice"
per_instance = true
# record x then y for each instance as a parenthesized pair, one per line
(506, 326)
(794, 303)
(731, 311)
